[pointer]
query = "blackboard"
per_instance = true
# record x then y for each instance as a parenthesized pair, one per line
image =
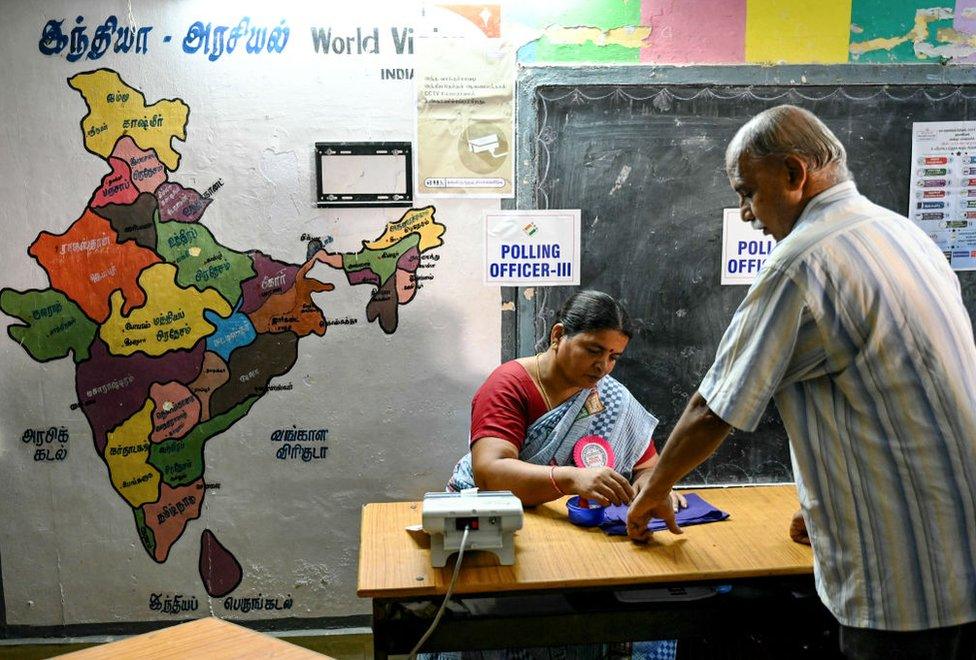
(645, 164)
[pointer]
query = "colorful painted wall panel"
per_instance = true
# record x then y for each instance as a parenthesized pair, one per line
(607, 31)
(702, 32)
(964, 24)
(737, 31)
(797, 31)
(896, 31)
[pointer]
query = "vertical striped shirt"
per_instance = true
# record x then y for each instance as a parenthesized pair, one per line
(857, 329)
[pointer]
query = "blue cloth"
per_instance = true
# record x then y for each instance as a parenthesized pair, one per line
(698, 512)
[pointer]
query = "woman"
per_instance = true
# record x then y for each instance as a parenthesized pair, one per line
(537, 421)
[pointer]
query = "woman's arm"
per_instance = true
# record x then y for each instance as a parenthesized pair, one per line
(497, 466)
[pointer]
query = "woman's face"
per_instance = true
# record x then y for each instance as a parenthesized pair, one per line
(586, 357)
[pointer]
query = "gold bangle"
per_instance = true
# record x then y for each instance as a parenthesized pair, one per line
(552, 480)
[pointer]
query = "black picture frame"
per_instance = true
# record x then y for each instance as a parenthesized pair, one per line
(334, 151)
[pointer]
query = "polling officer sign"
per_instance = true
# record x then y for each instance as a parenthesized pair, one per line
(532, 248)
(744, 249)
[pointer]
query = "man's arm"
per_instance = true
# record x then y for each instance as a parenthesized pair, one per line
(696, 436)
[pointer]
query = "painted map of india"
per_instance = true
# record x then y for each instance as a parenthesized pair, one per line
(174, 336)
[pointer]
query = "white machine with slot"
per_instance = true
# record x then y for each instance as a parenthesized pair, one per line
(491, 517)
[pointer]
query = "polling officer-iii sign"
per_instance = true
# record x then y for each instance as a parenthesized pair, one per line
(532, 248)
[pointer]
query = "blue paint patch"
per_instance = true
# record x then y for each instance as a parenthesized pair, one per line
(529, 52)
(232, 333)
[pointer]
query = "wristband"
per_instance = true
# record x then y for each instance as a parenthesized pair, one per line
(552, 480)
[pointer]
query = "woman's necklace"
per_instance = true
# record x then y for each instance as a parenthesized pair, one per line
(542, 386)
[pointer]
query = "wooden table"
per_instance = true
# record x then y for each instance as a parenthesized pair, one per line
(578, 577)
(209, 638)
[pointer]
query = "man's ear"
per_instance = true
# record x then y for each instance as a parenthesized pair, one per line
(796, 171)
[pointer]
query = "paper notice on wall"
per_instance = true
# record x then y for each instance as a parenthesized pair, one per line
(532, 248)
(465, 124)
(942, 198)
(744, 249)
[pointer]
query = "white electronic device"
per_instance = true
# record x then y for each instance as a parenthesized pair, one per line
(490, 516)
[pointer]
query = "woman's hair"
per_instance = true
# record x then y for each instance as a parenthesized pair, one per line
(592, 311)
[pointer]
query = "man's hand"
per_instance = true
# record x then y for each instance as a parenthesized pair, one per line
(602, 485)
(798, 529)
(678, 500)
(643, 508)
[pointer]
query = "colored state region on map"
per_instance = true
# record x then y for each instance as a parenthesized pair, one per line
(219, 569)
(172, 317)
(54, 326)
(116, 110)
(87, 263)
(390, 264)
(201, 261)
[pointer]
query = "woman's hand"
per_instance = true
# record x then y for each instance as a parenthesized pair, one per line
(602, 485)
(678, 501)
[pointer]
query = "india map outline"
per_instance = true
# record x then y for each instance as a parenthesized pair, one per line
(174, 336)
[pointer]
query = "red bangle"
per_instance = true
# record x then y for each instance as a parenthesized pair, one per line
(552, 480)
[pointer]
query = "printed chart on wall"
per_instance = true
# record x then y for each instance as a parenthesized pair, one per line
(174, 335)
(943, 187)
(465, 117)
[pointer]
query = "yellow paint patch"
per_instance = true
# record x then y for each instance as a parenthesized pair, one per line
(414, 221)
(631, 36)
(126, 453)
(797, 31)
(171, 319)
(948, 35)
(115, 109)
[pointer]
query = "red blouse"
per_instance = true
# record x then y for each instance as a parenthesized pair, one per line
(508, 403)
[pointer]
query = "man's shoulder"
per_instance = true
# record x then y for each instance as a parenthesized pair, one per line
(833, 225)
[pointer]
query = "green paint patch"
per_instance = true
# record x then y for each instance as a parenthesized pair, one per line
(382, 262)
(603, 14)
(55, 326)
(201, 261)
(546, 51)
(888, 19)
(146, 534)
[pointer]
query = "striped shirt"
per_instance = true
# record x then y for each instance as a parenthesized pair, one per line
(857, 329)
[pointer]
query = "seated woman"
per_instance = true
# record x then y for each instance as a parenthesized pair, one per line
(537, 422)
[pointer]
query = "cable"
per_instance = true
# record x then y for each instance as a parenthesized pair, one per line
(447, 596)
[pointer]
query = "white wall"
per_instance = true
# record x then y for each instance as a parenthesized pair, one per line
(396, 405)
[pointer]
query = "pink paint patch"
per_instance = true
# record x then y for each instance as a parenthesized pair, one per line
(701, 32)
(176, 411)
(147, 172)
(406, 287)
(116, 187)
(965, 21)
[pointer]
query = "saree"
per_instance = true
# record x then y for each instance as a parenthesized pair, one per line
(609, 411)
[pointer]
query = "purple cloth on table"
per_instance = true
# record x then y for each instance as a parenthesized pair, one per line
(698, 512)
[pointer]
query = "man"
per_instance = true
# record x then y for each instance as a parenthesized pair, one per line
(857, 329)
